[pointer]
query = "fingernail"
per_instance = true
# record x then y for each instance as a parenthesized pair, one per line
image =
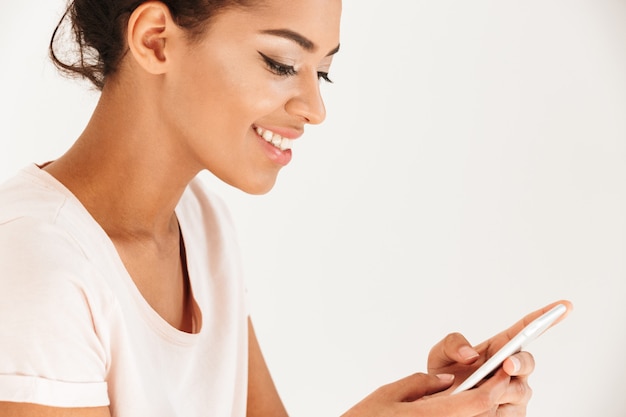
(446, 377)
(517, 365)
(468, 353)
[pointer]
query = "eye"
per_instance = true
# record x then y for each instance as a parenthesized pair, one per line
(324, 76)
(278, 68)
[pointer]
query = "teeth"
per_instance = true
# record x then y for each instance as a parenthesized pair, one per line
(274, 138)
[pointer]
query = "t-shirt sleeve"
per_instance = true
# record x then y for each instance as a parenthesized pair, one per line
(50, 350)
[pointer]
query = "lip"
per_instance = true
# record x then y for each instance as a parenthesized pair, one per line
(274, 154)
(286, 132)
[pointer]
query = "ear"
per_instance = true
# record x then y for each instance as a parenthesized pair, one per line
(150, 26)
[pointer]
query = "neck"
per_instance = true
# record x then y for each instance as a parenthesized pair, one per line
(125, 168)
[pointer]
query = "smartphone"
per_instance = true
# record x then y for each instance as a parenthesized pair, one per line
(521, 340)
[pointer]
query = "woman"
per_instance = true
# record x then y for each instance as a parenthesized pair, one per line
(119, 268)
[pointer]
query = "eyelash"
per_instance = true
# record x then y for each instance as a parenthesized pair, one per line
(283, 70)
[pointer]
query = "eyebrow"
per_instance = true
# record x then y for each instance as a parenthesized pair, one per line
(305, 43)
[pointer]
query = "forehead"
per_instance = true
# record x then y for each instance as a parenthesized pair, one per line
(316, 20)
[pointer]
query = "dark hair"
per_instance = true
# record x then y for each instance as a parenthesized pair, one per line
(96, 43)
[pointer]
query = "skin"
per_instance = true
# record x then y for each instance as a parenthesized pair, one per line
(506, 393)
(177, 107)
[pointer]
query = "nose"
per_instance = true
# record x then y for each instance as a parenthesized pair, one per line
(307, 103)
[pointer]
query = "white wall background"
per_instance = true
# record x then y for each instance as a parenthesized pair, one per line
(472, 168)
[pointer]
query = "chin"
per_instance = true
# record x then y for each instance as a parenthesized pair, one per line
(258, 187)
(255, 182)
(258, 190)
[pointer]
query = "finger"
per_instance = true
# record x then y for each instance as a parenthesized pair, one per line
(517, 327)
(517, 391)
(454, 348)
(520, 364)
(415, 386)
(509, 410)
(474, 402)
(496, 342)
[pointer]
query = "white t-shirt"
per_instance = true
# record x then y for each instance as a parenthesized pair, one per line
(76, 332)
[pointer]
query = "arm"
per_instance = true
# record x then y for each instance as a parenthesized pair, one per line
(263, 398)
(406, 397)
(416, 396)
(401, 396)
(8, 409)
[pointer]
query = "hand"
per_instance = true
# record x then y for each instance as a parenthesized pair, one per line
(413, 397)
(454, 354)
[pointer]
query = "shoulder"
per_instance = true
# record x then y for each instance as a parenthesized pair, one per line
(42, 222)
(31, 192)
(45, 278)
(31, 244)
(48, 296)
(33, 232)
(49, 301)
(42, 254)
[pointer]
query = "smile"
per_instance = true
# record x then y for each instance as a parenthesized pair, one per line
(275, 139)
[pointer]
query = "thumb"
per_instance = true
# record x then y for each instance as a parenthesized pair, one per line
(454, 348)
(416, 386)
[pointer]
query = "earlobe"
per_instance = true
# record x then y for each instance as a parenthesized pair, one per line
(149, 27)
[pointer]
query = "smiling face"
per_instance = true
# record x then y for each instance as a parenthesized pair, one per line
(237, 98)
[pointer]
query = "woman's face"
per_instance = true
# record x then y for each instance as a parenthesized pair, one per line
(239, 97)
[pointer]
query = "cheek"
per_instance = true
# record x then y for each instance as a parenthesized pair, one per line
(212, 106)
(241, 82)
(231, 94)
